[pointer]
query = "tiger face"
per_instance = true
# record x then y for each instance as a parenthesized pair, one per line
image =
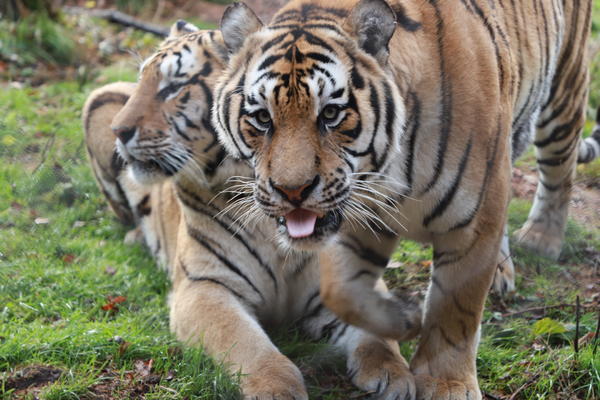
(165, 126)
(310, 103)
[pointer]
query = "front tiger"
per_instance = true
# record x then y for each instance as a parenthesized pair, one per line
(229, 279)
(366, 122)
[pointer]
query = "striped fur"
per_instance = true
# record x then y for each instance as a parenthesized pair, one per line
(402, 120)
(229, 280)
(589, 149)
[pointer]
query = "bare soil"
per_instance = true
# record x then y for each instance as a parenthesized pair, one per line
(585, 199)
(31, 380)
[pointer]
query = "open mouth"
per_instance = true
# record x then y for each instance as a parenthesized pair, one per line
(304, 224)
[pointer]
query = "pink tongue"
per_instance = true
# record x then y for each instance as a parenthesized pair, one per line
(300, 223)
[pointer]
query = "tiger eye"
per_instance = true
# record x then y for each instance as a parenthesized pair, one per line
(263, 117)
(329, 112)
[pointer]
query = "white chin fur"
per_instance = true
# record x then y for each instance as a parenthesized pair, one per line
(144, 178)
(302, 245)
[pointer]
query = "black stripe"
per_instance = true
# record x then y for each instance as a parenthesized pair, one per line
(362, 272)
(102, 100)
(212, 280)
(366, 254)
(489, 168)
(414, 121)
(449, 196)
(446, 102)
(200, 238)
(226, 227)
(559, 132)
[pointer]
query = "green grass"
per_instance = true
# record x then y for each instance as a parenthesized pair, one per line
(56, 276)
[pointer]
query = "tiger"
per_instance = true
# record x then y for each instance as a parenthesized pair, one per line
(370, 121)
(168, 176)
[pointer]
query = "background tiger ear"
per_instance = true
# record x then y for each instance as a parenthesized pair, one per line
(181, 27)
(238, 22)
(373, 23)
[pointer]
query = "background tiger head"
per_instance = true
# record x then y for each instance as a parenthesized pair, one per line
(165, 127)
(309, 101)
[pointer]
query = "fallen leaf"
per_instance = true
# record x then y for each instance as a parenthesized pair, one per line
(112, 302)
(587, 338)
(110, 307)
(41, 221)
(426, 263)
(16, 206)
(118, 299)
(68, 258)
(394, 265)
(110, 270)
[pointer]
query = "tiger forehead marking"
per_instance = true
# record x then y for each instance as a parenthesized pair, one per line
(296, 73)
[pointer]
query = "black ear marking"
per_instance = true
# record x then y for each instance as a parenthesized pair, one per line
(238, 22)
(373, 23)
(181, 27)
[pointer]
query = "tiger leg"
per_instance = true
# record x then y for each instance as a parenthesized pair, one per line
(557, 144)
(374, 364)
(349, 272)
(504, 278)
(209, 313)
(444, 363)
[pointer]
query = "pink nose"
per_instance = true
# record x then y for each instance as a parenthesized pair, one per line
(296, 195)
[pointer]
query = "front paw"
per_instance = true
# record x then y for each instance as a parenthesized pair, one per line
(504, 278)
(275, 379)
(380, 371)
(430, 388)
(542, 237)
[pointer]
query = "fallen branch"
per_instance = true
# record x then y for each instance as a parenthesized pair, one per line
(120, 18)
(524, 386)
(545, 308)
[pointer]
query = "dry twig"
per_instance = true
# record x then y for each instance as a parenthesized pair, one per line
(120, 18)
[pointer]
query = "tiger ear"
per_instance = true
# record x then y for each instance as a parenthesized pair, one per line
(372, 22)
(237, 23)
(181, 27)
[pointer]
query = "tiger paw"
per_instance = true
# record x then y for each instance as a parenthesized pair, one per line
(377, 370)
(430, 388)
(504, 278)
(275, 379)
(542, 237)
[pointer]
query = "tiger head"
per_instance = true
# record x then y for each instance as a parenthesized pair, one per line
(165, 127)
(310, 102)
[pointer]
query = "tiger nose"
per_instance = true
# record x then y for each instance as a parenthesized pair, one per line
(296, 194)
(124, 134)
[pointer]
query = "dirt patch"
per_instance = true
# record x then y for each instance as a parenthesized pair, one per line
(31, 379)
(130, 385)
(585, 199)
